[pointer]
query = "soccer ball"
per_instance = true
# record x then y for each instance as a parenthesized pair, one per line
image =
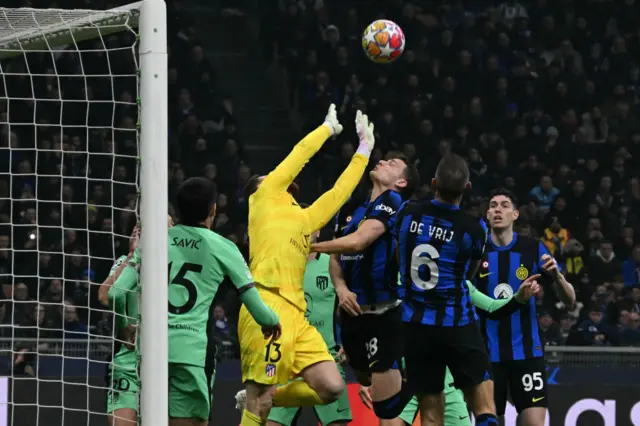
(383, 41)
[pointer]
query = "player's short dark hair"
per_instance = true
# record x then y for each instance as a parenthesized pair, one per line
(410, 174)
(452, 177)
(194, 200)
(505, 193)
(250, 187)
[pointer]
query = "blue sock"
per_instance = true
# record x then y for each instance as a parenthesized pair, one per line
(486, 420)
(392, 407)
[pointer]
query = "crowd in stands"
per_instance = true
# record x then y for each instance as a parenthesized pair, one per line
(541, 97)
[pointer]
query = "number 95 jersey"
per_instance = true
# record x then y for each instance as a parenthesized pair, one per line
(199, 260)
(437, 244)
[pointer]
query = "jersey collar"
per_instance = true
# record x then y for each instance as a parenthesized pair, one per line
(444, 205)
(507, 247)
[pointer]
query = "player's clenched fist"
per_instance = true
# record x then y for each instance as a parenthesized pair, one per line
(365, 133)
(550, 266)
(331, 120)
(528, 289)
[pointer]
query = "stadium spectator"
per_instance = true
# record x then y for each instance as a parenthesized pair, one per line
(597, 332)
(549, 330)
(631, 268)
(73, 328)
(540, 97)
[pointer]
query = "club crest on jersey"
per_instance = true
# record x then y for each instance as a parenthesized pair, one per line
(270, 371)
(322, 283)
(485, 264)
(522, 273)
(348, 219)
(502, 291)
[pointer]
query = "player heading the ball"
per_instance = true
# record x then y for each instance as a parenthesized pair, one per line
(279, 243)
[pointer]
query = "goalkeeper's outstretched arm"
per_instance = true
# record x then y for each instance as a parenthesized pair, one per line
(278, 180)
(326, 207)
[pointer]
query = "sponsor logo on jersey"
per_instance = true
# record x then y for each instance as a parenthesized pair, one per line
(522, 273)
(384, 208)
(502, 291)
(270, 370)
(347, 258)
(485, 274)
(322, 282)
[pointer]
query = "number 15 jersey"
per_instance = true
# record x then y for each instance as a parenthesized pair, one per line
(436, 245)
(199, 260)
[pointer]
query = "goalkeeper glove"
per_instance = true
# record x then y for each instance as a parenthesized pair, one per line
(365, 134)
(331, 121)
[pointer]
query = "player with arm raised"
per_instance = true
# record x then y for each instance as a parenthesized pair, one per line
(439, 247)
(122, 377)
(199, 260)
(515, 348)
(455, 408)
(321, 313)
(365, 276)
(279, 233)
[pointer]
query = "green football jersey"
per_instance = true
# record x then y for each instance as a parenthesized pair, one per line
(320, 296)
(199, 260)
(127, 357)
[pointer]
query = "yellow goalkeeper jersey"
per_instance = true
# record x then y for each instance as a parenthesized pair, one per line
(280, 230)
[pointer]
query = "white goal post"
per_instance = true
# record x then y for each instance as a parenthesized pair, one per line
(26, 31)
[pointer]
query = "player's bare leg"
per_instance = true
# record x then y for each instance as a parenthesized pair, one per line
(480, 399)
(533, 416)
(431, 409)
(325, 379)
(187, 422)
(259, 400)
(385, 385)
(123, 417)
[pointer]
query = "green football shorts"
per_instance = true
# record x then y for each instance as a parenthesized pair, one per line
(123, 388)
(190, 391)
(455, 410)
(337, 411)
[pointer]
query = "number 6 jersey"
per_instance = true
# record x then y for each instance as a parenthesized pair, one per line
(436, 245)
(199, 260)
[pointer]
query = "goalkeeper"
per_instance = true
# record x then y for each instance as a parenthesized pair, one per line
(279, 233)
(320, 296)
(455, 411)
(199, 260)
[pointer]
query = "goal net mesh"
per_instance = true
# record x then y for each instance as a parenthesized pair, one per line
(68, 202)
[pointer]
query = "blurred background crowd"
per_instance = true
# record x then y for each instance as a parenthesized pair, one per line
(541, 97)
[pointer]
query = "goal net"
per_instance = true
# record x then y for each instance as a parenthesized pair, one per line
(72, 166)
